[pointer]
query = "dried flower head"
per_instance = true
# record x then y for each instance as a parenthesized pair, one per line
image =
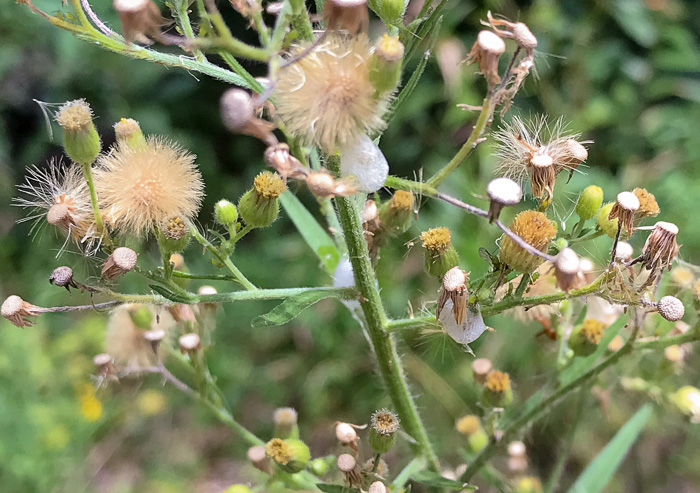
(455, 289)
(347, 15)
(238, 113)
(498, 381)
(63, 277)
(502, 192)
(377, 487)
(385, 422)
(141, 20)
(537, 230)
(258, 457)
(141, 188)
(624, 251)
(648, 207)
(278, 451)
(59, 194)
(537, 152)
(190, 343)
(671, 308)
(121, 261)
(567, 270)
(127, 343)
(324, 186)
(348, 466)
(623, 210)
(128, 130)
(486, 51)
(326, 97)
(105, 366)
(346, 434)
(286, 165)
(661, 247)
(481, 367)
(517, 31)
(16, 310)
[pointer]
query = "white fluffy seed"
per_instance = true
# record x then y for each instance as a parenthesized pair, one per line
(365, 161)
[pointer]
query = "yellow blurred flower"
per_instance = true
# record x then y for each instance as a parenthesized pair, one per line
(151, 402)
(56, 438)
(90, 405)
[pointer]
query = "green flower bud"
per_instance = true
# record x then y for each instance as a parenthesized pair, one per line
(225, 213)
(470, 426)
(141, 316)
(589, 202)
(80, 139)
(584, 338)
(396, 214)
(440, 255)
(259, 206)
(291, 455)
(385, 66)
(609, 226)
(559, 244)
(485, 296)
(497, 390)
(687, 400)
(128, 132)
(382, 432)
(319, 467)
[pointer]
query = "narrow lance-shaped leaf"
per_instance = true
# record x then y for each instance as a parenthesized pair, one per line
(601, 470)
(290, 308)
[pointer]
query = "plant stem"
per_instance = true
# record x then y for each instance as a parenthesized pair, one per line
(99, 224)
(510, 431)
(383, 343)
(300, 20)
(183, 21)
(246, 229)
(468, 146)
(224, 260)
(692, 335)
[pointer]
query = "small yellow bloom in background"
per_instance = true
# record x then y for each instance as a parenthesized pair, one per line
(90, 405)
(151, 402)
(56, 438)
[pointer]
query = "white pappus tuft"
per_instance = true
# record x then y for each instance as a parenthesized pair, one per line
(363, 159)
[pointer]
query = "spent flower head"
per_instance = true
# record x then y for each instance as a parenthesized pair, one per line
(141, 188)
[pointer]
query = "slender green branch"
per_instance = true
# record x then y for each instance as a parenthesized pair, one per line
(693, 335)
(469, 145)
(183, 20)
(223, 259)
(99, 224)
(510, 431)
(246, 229)
(375, 320)
(300, 20)
(208, 277)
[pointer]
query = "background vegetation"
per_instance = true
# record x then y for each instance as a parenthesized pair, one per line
(626, 73)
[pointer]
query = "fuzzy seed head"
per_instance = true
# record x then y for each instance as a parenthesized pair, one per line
(648, 207)
(593, 330)
(61, 276)
(498, 382)
(671, 308)
(628, 201)
(624, 251)
(285, 416)
(237, 109)
(326, 97)
(17, 311)
(121, 261)
(189, 343)
(504, 191)
(537, 230)
(141, 188)
(468, 425)
(523, 37)
(269, 185)
(455, 280)
(385, 422)
(130, 5)
(436, 240)
(346, 463)
(377, 487)
(490, 43)
(74, 115)
(101, 359)
(345, 433)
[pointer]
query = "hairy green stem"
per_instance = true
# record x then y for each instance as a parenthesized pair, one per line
(99, 224)
(511, 430)
(248, 295)
(383, 343)
(183, 21)
(468, 146)
(223, 259)
(300, 20)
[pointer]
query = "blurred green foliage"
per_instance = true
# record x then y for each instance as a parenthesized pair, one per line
(625, 73)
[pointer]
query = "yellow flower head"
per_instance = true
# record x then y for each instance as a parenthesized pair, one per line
(498, 381)
(326, 96)
(436, 239)
(537, 230)
(140, 188)
(593, 330)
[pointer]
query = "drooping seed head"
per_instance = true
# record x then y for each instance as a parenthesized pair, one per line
(62, 276)
(648, 207)
(17, 311)
(567, 270)
(523, 37)
(190, 343)
(623, 209)
(346, 434)
(237, 109)
(486, 51)
(661, 246)
(504, 191)
(481, 367)
(121, 261)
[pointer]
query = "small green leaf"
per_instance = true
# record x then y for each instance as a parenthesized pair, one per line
(634, 18)
(430, 478)
(601, 470)
(486, 256)
(290, 308)
(171, 294)
(314, 235)
(582, 365)
(335, 488)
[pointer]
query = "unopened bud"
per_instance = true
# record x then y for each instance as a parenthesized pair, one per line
(80, 139)
(396, 214)
(589, 202)
(687, 401)
(385, 64)
(141, 316)
(225, 213)
(470, 426)
(528, 484)
(319, 467)
(121, 261)
(606, 224)
(128, 132)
